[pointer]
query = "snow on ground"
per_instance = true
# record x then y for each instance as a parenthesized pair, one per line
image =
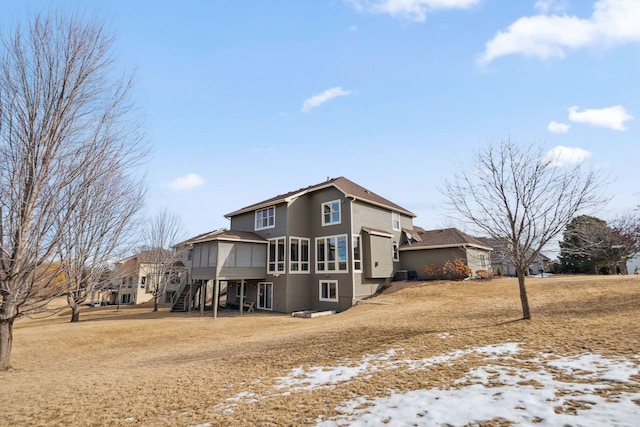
(585, 390)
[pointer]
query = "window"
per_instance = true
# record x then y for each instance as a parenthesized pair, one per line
(168, 297)
(394, 251)
(331, 213)
(125, 299)
(130, 285)
(299, 255)
(143, 281)
(190, 255)
(331, 253)
(483, 261)
(276, 255)
(329, 290)
(266, 218)
(395, 220)
(357, 257)
(238, 286)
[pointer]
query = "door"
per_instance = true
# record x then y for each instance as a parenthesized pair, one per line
(265, 295)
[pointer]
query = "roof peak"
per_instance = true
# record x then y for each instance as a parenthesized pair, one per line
(345, 185)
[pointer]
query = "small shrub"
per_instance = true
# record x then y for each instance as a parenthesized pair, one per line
(499, 272)
(484, 274)
(433, 271)
(457, 270)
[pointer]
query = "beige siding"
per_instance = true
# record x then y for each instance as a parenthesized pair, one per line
(474, 260)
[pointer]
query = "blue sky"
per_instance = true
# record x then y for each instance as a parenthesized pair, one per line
(244, 100)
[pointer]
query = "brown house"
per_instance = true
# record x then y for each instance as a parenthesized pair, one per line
(422, 247)
(322, 247)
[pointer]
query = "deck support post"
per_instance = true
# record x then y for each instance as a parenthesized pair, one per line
(216, 296)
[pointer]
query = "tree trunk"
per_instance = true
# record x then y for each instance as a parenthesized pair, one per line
(526, 314)
(155, 302)
(6, 341)
(75, 313)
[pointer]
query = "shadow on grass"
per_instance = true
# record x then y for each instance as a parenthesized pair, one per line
(110, 313)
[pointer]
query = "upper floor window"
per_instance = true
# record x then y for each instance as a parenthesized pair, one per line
(266, 218)
(331, 253)
(299, 255)
(395, 220)
(331, 212)
(276, 255)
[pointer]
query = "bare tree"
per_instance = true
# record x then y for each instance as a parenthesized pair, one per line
(99, 228)
(163, 231)
(523, 198)
(60, 106)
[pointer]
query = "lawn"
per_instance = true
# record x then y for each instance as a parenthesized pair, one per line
(439, 353)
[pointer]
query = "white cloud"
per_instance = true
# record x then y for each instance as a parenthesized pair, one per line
(556, 127)
(561, 156)
(544, 6)
(614, 22)
(321, 98)
(414, 10)
(187, 182)
(612, 117)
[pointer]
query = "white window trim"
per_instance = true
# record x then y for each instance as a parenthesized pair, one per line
(238, 286)
(395, 215)
(395, 251)
(353, 255)
(339, 221)
(336, 299)
(277, 261)
(336, 261)
(299, 262)
(270, 299)
(255, 218)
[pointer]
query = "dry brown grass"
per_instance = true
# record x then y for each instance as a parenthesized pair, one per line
(134, 367)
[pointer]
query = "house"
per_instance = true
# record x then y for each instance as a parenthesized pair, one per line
(422, 248)
(134, 278)
(217, 258)
(500, 259)
(633, 265)
(322, 247)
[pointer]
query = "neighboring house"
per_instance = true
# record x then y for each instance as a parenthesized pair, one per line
(500, 259)
(134, 278)
(321, 247)
(422, 248)
(633, 265)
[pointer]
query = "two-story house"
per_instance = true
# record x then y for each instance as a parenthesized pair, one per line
(322, 247)
(136, 278)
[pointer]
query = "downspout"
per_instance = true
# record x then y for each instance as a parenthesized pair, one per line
(350, 256)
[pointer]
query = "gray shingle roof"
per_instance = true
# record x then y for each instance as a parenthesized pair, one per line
(224, 234)
(349, 188)
(441, 238)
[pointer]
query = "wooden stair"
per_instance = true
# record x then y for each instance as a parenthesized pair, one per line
(181, 301)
